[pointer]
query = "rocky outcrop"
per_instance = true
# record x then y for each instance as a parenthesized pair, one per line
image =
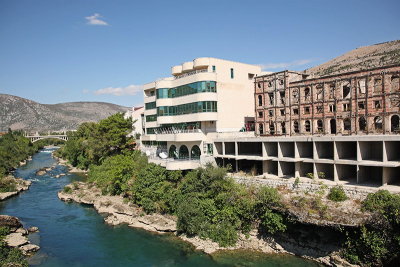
(21, 185)
(18, 236)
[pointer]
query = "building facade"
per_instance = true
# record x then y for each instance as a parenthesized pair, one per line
(356, 103)
(203, 97)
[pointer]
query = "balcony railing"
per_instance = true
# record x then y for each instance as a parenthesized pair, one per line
(190, 73)
(173, 130)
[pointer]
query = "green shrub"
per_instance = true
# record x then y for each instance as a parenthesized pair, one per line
(7, 185)
(67, 189)
(337, 194)
(377, 201)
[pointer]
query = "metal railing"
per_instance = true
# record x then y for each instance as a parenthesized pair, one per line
(190, 73)
(173, 130)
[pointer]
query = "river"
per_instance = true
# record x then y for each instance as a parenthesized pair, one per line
(75, 235)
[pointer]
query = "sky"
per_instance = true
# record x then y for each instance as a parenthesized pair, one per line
(54, 51)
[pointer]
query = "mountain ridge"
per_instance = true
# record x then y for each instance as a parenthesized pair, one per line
(19, 113)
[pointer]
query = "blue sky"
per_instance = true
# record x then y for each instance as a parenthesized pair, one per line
(54, 51)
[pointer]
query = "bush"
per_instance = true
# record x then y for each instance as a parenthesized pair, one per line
(7, 185)
(337, 194)
(67, 189)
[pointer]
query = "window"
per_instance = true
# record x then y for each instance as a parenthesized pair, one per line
(320, 92)
(151, 93)
(260, 114)
(296, 111)
(378, 104)
(151, 105)
(306, 110)
(319, 109)
(213, 68)
(332, 107)
(307, 126)
(195, 107)
(271, 98)
(209, 149)
(283, 127)
(282, 112)
(269, 84)
(232, 74)
(250, 75)
(395, 83)
(347, 124)
(377, 85)
(260, 128)
(260, 101)
(281, 82)
(282, 97)
(361, 105)
(320, 126)
(296, 126)
(346, 90)
(307, 94)
(332, 91)
(295, 95)
(195, 152)
(259, 85)
(150, 118)
(361, 86)
(362, 123)
(271, 113)
(346, 107)
(187, 89)
(378, 123)
(271, 128)
(183, 152)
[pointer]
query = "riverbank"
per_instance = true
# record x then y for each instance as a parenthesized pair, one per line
(20, 185)
(119, 211)
(17, 236)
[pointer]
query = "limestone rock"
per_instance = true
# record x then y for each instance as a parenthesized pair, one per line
(16, 240)
(21, 230)
(33, 229)
(10, 221)
(29, 248)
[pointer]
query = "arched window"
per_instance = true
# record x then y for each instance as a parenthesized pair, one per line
(260, 128)
(378, 123)
(362, 124)
(320, 126)
(260, 102)
(296, 126)
(394, 124)
(395, 83)
(333, 126)
(307, 93)
(172, 153)
(347, 124)
(183, 152)
(307, 126)
(195, 152)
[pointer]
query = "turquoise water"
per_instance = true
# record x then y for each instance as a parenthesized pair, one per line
(76, 235)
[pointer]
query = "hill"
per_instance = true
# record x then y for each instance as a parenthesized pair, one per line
(366, 57)
(20, 113)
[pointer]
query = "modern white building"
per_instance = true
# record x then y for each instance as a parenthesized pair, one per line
(184, 113)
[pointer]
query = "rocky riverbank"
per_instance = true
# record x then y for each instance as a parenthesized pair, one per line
(20, 185)
(18, 236)
(119, 211)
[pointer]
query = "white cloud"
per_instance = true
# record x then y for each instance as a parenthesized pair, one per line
(118, 91)
(285, 65)
(95, 20)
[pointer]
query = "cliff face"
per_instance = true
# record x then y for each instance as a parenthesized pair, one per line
(20, 113)
(373, 56)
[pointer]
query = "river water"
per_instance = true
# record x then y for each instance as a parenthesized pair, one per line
(75, 235)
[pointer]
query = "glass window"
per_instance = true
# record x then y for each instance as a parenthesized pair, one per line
(151, 105)
(232, 74)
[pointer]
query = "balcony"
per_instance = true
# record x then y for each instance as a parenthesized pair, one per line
(179, 135)
(176, 164)
(190, 73)
(202, 62)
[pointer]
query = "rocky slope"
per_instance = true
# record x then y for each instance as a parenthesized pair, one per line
(365, 57)
(20, 113)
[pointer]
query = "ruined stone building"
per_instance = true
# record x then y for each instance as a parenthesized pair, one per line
(355, 103)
